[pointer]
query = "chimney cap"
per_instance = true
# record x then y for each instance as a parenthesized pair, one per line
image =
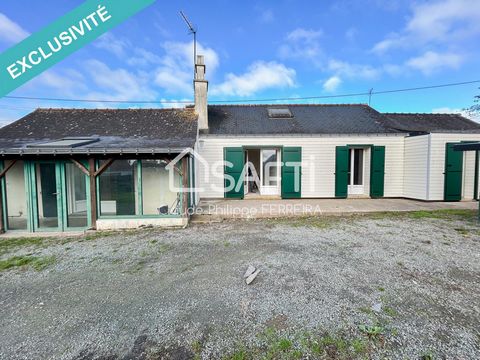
(200, 60)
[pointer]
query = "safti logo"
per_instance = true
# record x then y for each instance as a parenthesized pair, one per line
(68, 34)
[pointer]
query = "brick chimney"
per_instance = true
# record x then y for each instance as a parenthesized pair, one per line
(200, 86)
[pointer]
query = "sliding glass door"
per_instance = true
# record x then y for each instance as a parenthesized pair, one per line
(59, 196)
(47, 199)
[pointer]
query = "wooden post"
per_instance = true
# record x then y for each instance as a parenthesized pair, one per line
(93, 192)
(2, 175)
(2, 225)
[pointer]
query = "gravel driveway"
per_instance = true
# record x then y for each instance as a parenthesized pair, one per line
(396, 286)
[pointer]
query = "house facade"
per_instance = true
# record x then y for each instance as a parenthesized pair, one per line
(71, 169)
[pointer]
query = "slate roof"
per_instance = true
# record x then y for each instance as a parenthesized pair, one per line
(307, 119)
(125, 130)
(430, 123)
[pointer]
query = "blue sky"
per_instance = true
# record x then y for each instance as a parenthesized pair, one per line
(266, 49)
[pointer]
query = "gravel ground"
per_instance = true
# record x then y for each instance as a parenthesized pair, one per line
(408, 286)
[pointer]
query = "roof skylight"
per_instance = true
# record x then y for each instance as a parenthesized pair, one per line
(64, 143)
(279, 113)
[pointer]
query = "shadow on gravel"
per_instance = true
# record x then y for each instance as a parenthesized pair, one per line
(143, 349)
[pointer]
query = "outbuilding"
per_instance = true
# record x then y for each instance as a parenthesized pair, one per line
(71, 169)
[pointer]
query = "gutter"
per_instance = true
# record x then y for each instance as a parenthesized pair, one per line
(90, 151)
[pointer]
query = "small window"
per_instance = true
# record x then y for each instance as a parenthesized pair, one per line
(279, 113)
(64, 143)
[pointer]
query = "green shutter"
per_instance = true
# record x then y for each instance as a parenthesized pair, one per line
(377, 173)
(453, 173)
(291, 189)
(233, 170)
(341, 171)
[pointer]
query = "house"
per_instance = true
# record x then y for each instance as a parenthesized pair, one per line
(67, 169)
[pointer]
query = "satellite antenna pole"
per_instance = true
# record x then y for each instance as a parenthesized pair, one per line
(193, 31)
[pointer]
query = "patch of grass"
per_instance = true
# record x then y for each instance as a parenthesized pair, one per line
(163, 248)
(273, 345)
(37, 263)
(448, 214)
(284, 344)
(9, 244)
(390, 311)
(197, 347)
(365, 310)
(99, 234)
(359, 345)
(380, 288)
(241, 354)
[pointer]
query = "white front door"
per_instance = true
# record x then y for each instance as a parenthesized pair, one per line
(356, 175)
(270, 172)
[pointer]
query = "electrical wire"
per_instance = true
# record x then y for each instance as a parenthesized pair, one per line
(245, 100)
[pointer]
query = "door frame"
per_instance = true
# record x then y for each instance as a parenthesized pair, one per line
(62, 197)
(273, 190)
(356, 189)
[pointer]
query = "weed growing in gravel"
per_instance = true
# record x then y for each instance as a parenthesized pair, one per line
(38, 263)
(372, 330)
(428, 355)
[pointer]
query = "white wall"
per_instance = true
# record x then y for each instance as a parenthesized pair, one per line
(437, 164)
(16, 195)
(318, 160)
(156, 189)
(415, 167)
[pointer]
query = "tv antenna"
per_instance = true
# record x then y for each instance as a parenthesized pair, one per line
(370, 96)
(193, 31)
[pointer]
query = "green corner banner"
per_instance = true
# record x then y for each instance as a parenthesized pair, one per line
(55, 42)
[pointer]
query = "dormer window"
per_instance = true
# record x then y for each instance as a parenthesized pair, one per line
(279, 113)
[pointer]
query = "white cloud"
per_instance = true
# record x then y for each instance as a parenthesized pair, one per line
(436, 22)
(302, 44)
(173, 103)
(111, 43)
(259, 76)
(175, 74)
(10, 31)
(332, 84)
(431, 62)
(353, 70)
(143, 57)
(118, 84)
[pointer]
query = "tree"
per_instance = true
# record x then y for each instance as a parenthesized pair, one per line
(475, 108)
